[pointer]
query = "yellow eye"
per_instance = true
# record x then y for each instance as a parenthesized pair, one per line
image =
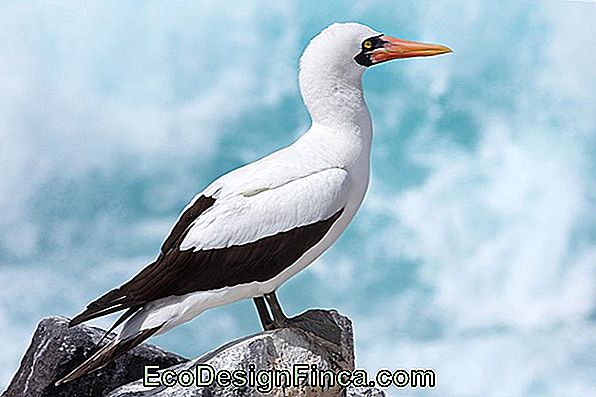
(367, 44)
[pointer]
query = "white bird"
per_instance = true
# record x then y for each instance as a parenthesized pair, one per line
(252, 229)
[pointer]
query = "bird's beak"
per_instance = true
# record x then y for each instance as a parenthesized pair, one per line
(398, 48)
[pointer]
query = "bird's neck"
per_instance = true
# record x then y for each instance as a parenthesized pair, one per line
(334, 97)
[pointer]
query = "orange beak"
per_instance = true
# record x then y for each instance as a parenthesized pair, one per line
(398, 48)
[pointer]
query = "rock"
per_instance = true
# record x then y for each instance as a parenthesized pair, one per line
(317, 337)
(364, 392)
(56, 349)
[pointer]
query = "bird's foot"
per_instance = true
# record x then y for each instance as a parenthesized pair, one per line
(280, 323)
(275, 317)
(315, 322)
(270, 326)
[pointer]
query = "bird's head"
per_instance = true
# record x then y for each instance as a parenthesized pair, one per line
(351, 48)
(332, 64)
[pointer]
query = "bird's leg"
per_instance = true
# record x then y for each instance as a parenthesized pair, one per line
(264, 315)
(279, 318)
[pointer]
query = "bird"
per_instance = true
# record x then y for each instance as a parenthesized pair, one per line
(253, 228)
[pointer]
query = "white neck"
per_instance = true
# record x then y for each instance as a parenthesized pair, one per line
(333, 96)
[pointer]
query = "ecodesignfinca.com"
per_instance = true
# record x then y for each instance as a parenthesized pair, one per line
(265, 380)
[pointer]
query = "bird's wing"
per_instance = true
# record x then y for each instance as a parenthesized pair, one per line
(235, 238)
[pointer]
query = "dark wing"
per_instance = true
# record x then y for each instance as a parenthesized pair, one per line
(183, 272)
(181, 227)
(117, 299)
(256, 238)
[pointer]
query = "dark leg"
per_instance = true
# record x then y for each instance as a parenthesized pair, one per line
(316, 322)
(279, 318)
(264, 316)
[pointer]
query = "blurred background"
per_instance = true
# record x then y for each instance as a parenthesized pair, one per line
(474, 253)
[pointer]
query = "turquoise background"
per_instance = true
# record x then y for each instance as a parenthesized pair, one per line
(474, 252)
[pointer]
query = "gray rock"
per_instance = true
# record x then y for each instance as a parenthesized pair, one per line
(317, 337)
(364, 392)
(56, 349)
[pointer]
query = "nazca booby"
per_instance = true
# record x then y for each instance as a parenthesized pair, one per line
(255, 227)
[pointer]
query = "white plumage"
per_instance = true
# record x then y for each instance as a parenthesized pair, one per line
(303, 201)
(325, 170)
(255, 227)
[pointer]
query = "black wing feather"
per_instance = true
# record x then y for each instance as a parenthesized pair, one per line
(177, 272)
(118, 299)
(186, 218)
(107, 354)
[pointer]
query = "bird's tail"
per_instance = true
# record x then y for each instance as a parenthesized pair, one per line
(106, 354)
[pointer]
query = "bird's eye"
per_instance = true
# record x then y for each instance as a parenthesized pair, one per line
(367, 44)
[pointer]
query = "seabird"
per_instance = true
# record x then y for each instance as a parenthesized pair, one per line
(255, 227)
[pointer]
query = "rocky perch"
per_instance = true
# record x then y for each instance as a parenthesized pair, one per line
(319, 337)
